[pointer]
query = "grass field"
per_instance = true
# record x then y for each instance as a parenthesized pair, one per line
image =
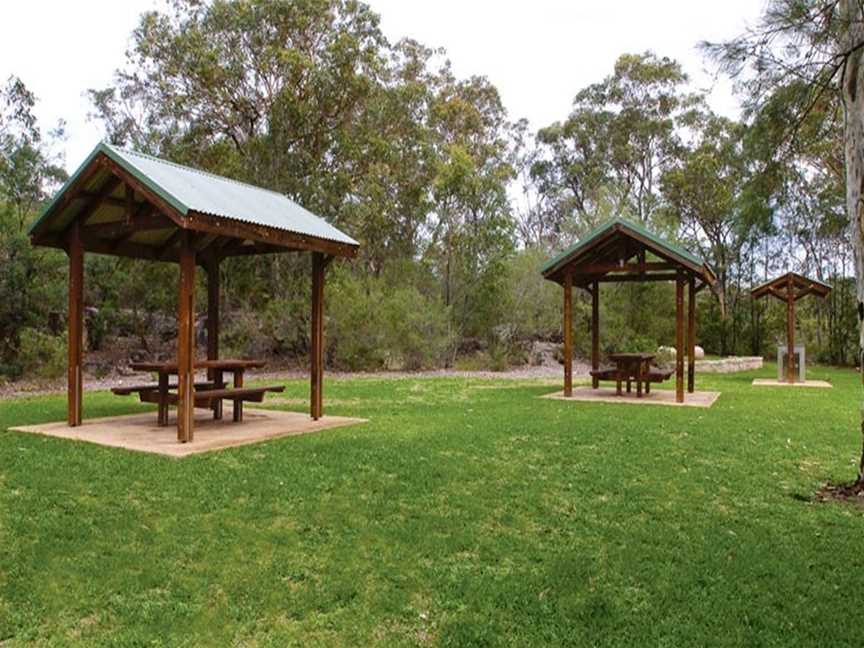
(465, 513)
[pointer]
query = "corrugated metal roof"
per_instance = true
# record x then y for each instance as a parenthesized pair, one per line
(188, 189)
(586, 241)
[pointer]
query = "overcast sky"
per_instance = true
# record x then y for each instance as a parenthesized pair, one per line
(538, 53)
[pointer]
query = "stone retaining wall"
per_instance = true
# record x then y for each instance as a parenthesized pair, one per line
(729, 365)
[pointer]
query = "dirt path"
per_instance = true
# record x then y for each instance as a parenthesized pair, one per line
(26, 388)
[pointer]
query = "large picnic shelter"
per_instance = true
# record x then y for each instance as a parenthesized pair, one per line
(128, 204)
(622, 251)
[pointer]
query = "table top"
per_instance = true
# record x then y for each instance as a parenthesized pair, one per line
(631, 356)
(228, 364)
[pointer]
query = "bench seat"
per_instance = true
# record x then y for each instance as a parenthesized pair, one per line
(605, 373)
(657, 375)
(126, 390)
(206, 397)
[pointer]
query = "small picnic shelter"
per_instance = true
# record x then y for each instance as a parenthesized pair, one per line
(128, 204)
(789, 288)
(622, 251)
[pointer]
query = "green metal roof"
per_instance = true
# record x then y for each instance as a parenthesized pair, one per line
(188, 189)
(625, 226)
(823, 288)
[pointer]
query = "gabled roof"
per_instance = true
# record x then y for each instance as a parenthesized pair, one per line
(618, 240)
(804, 285)
(188, 194)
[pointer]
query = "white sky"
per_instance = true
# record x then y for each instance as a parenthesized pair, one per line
(538, 53)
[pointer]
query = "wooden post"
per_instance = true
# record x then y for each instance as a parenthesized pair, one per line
(679, 338)
(595, 332)
(186, 342)
(317, 351)
(691, 335)
(75, 375)
(790, 330)
(568, 335)
(213, 326)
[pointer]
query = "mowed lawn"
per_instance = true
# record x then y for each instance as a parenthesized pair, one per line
(465, 513)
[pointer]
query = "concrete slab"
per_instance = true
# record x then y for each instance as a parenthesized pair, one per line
(656, 397)
(771, 382)
(139, 432)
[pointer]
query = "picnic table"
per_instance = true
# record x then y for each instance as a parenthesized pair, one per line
(210, 393)
(632, 366)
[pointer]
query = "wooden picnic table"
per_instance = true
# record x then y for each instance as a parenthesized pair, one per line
(632, 366)
(215, 370)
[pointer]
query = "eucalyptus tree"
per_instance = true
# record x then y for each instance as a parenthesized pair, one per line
(29, 171)
(820, 46)
(607, 157)
(705, 191)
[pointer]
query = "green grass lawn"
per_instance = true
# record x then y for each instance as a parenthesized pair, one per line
(465, 513)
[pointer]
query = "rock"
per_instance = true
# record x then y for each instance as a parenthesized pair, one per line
(666, 354)
(669, 353)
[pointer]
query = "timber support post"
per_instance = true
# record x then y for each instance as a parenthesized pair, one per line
(568, 335)
(186, 342)
(213, 304)
(319, 265)
(790, 330)
(74, 370)
(595, 332)
(679, 337)
(691, 335)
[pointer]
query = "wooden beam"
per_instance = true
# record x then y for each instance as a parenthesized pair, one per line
(595, 331)
(317, 337)
(151, 196)
(130, 226)
(669, 276)
(72, 193)
(109, 186)
(691, 334)
(258, 248)
(186, 343)
(627, 268)
(75, 374)
(262, 234)
(110, 200)
(167, 248)
(679, 338)
(568, 335)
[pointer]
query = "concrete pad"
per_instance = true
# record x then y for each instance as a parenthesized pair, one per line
(656, 397)
(771, 382)
(140, 432)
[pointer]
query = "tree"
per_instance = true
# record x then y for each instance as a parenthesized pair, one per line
(607, 157)
(819, 44)
(28, 173)
(706, 191)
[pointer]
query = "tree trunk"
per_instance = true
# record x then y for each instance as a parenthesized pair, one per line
(852, 90)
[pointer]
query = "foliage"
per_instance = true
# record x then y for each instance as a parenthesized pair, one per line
(41, 354)
(374, 326)
(385, 141)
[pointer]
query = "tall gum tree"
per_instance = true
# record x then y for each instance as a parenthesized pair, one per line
(821, 44)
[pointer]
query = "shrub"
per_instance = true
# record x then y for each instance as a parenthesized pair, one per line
(372, 325)
(41, 354)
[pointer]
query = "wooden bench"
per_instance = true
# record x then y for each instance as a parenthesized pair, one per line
(126, 390)
(657, 375)
(606, 373)
(238, 395)
(153, 393)
(654, 375)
